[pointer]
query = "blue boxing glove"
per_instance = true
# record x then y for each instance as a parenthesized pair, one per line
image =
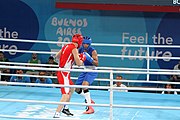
(88, 57)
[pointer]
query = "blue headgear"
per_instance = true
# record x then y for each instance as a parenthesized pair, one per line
(87, 40)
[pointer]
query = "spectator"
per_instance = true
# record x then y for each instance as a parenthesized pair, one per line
(3, 58)
(4, 70)
(119, 84)
(24, 79)
(169, 86)
(42, 79)
(33, 60)
(51, 61)
(176, 78)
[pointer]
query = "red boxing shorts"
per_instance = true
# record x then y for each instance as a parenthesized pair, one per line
(64, 79)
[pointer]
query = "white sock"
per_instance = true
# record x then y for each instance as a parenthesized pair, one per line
(82, 93)
(57, 114)
(87, 97)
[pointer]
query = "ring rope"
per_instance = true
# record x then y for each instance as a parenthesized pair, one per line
(82, 67)
(96, 44)
(32, 41)
(92, 87)
(129, 56)
(15, 67)
(88, 70)
(29, 64)
(28, 75)
(97, 79)
(100, 55)
(85, 104)
(25, 51)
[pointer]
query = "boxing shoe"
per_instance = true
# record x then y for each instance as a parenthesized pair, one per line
(92, 101)
(67, 112)
(90, 110)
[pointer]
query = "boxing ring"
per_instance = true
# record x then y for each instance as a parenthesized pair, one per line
(39, 101)
(46, 111)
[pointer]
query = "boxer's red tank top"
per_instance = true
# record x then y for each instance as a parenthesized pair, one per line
(67, 58)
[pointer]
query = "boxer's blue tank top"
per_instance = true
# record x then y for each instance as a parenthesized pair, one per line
(89, 51)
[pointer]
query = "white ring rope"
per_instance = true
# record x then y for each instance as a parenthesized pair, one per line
(82, 67)
(32, 41)
(28, 75)
(29, 64)
(77, 70)
(92, 87)
(129, 56)
(97, 79)
(88, 70)
(99, 68)
(85, 104)
(100, 55)
(25, 51)
(96, 44)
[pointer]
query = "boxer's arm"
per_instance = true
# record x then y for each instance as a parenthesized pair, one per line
(58, 54)
(76, 57)
(95, 58)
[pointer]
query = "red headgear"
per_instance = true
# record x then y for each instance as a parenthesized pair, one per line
(77, 38)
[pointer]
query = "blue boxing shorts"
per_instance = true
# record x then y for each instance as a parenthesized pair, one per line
(86, 76)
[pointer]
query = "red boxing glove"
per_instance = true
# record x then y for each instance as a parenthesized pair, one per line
(82, 57)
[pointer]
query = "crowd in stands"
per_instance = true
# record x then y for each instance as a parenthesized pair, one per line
(24, 79)
(169, 86)
(21, 75)
(4, 70)
(52, 64)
